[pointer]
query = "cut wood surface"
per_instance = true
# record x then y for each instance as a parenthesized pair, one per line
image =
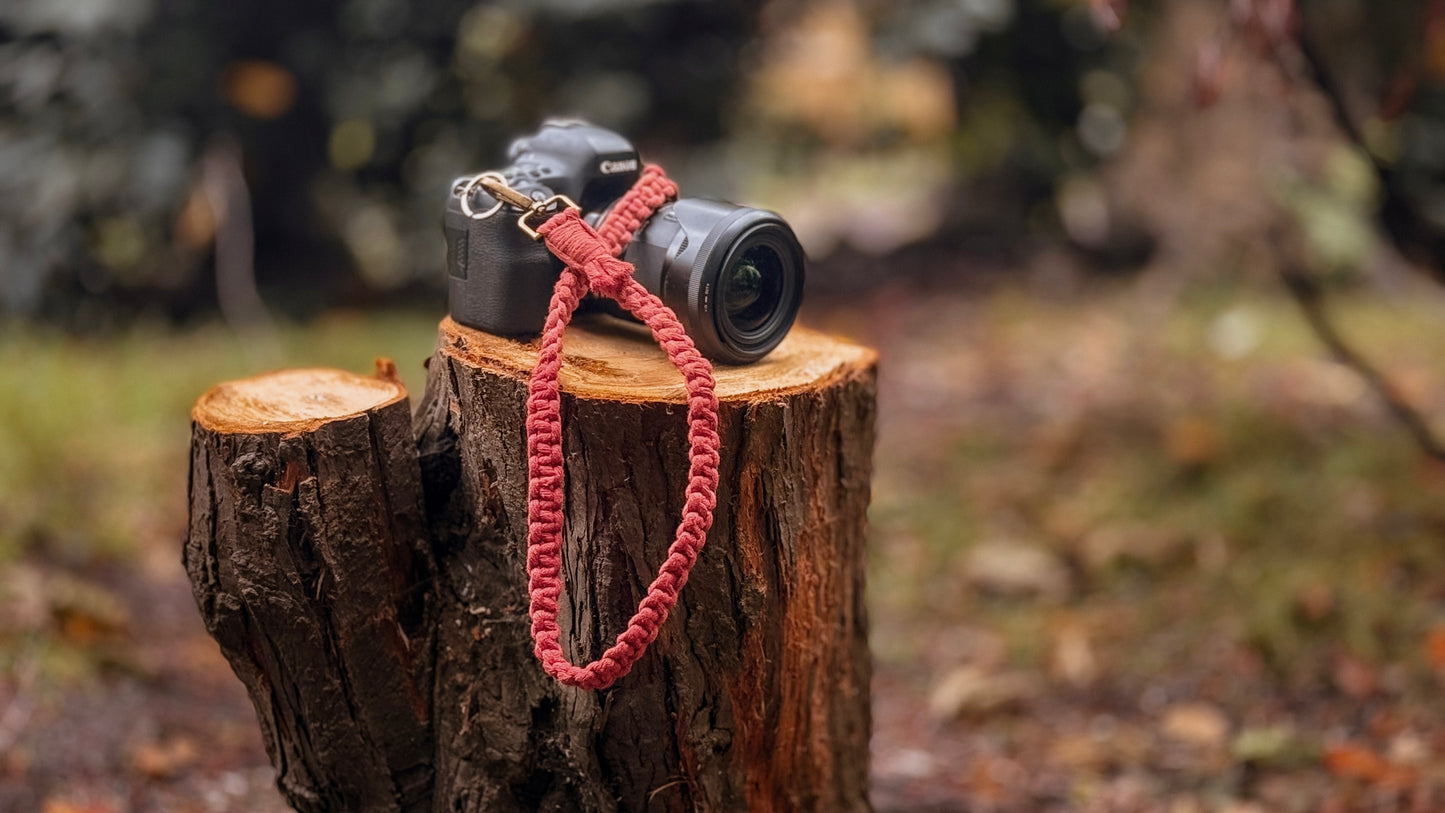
(755, 694)
(609, 359)
(295, 400)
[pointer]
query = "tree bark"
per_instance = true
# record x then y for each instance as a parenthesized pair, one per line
(754, 695)
(309, 561)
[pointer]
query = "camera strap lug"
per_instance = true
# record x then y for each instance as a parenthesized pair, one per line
(497, 187)
(550, 206)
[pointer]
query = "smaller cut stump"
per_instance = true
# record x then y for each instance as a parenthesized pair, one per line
(308, 556)
(364, 575)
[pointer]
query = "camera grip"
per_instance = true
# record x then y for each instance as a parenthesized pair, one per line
(500, 280)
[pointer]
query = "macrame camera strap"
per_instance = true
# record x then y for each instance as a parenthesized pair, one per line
(591, 258)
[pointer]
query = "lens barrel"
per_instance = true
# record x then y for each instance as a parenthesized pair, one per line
(732, 274)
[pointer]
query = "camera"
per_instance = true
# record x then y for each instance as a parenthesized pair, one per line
(732, 274)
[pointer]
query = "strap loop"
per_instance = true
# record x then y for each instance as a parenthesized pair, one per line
(591, 262)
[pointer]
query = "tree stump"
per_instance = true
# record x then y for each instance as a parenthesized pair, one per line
(309, 560)
(755, 693)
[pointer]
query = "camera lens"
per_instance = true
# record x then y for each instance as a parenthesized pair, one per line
(732, 274)
(751, 288)
(749, 273)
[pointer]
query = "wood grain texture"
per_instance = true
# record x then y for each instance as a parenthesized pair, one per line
(609, 359)
(295, 400)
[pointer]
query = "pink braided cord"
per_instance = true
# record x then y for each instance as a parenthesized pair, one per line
(591, 263)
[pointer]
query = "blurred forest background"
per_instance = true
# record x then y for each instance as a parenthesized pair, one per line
(1158, 507)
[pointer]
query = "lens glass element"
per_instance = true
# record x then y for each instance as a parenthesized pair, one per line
(752, 287)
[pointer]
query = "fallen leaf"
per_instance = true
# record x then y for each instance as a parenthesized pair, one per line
(912, 763)
(86, 612)
(994, 779)
(1198, 724)
(1409, 748)
(1016, 569)
(1080, 752)
(970, 691)
(67, 806)
(1073, 658)
(163, 760)
(1353, 761)
(1435, 647)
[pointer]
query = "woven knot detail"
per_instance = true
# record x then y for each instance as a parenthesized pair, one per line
(590, 257)
(607, 276)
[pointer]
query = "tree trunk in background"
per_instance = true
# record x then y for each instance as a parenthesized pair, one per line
(754, 695)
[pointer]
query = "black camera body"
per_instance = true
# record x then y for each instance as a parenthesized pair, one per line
(732, 274)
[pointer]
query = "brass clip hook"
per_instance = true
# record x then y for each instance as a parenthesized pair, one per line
(497, 187)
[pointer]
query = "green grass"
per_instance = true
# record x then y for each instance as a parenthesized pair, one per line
(94, 431)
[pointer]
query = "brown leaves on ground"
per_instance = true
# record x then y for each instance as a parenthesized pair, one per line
(166, 758)
(1198, 724)
(974, 691)
(1013, 568)
(1359, 762)
(60, 805)
(1435, 648)
(1119, 568)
